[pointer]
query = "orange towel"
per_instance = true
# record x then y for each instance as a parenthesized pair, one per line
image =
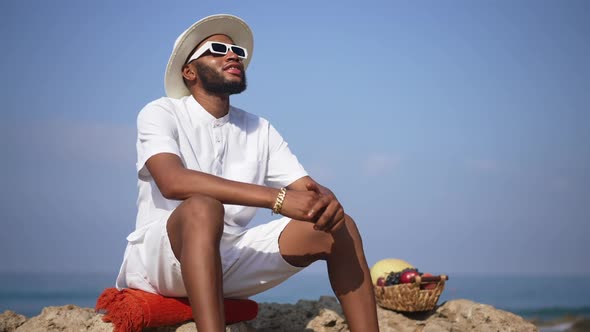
(131, 310)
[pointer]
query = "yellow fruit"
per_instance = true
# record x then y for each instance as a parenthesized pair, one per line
(383, 267)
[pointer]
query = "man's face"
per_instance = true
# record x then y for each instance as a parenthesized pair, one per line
(220, 74)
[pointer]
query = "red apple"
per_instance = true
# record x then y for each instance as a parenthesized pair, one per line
(428, 285)
(407, 276)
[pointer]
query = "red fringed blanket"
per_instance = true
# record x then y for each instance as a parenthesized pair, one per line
(131, 310)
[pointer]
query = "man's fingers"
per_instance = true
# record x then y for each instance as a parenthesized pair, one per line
(311, 186)
(326, 220)
(338, 220)
(319, 205)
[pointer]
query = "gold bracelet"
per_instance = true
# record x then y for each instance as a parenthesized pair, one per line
(279, 202)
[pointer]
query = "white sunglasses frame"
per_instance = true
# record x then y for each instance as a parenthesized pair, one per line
(208, 47)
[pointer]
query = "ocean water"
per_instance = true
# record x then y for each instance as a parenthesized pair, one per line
(538, 297)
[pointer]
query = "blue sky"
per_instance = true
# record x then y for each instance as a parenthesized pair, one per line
(455, 133)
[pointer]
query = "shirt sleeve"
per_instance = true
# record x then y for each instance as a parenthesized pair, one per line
(157, 132)
(283, 166)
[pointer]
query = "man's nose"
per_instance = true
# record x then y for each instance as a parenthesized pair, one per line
(231, 55)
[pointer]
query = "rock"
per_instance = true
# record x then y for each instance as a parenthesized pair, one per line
(191, 327)
(327, 320)
(455, 315)
(69, 318)
(324, 315)
(10, 320)
(580, 326)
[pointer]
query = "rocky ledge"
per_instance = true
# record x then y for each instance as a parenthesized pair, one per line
(323, 315)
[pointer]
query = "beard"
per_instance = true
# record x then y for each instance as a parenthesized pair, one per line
(214, 82)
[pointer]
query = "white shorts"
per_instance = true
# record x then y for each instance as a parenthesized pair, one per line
(251, 262)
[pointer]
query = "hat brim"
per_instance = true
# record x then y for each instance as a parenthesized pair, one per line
(229, 25)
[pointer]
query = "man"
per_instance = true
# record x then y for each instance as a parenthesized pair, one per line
(204, 167)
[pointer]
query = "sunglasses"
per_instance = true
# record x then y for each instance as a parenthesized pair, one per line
(219, 48)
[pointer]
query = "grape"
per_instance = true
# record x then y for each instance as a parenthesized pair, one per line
(393, 277)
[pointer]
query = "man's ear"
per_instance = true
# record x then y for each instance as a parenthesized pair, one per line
(189, 72)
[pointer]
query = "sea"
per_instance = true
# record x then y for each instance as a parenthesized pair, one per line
(542, 299)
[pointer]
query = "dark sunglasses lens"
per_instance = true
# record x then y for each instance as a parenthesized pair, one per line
(238, 51)
(220, 48)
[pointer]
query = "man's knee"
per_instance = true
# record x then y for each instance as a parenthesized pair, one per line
(345, 235)
(204, 206)
(348, 225)
(347, 232)
(199, 214)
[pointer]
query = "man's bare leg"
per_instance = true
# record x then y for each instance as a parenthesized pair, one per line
(195, 229)
(349, 274)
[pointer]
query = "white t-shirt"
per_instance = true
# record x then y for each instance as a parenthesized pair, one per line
(239, 146)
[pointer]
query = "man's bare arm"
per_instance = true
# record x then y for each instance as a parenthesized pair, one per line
(179, 183)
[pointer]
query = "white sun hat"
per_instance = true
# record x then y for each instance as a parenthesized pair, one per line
(224, 24)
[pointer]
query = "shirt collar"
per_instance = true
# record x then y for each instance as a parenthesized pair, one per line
(199, 113)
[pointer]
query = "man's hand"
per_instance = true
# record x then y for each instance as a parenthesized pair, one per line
(298, 204)
(327, 211)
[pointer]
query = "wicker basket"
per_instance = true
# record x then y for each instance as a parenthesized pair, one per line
(409, 297)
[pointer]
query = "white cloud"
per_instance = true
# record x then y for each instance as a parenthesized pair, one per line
(380, 164)
(483, 165)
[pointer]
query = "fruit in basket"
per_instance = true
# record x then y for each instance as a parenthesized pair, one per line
(381, 281)
(385, 266)
(392, 278)
(407, 275)
(427, 285)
